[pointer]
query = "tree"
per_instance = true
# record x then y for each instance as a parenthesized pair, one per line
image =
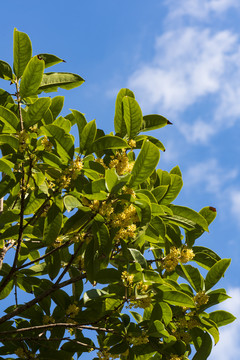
(94, 239)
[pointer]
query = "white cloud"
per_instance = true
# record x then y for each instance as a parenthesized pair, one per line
(199, 9)
(210, 175)
(189, 63)
(228, 347)
(235, 203)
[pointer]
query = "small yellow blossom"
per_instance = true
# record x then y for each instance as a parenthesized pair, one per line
(127, 279)
(121, 163)
(186, 255)
(105, 355)
(72, 310)
(171, 260)
(46, 144)
(143, 339)
(132, 143)
(201, 298)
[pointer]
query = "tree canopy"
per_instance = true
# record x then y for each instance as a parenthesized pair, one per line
(99, 259)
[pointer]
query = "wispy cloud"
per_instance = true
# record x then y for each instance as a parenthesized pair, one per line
(200, 9)
(228, 347)
(192, 66)
(210, 175)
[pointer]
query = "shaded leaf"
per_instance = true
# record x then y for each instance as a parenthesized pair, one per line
(5, 71)
(9, 118)
(109, 142)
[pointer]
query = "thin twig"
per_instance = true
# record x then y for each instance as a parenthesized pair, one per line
(50, 326)
(47, 292)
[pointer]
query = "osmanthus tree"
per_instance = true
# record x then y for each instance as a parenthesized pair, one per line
(91, 232)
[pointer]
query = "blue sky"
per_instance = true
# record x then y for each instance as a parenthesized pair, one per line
(182, 60)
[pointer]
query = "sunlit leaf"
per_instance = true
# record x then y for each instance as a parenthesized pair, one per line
(22, 52)
(32, 77)
(52, 81)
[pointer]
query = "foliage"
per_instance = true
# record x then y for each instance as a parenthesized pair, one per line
(95, 241)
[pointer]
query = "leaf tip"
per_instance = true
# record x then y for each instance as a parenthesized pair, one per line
(212, 209)
(169, 123)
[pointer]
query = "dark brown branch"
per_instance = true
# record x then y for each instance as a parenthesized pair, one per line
(51, 339)
(50, 326)
(47, 292)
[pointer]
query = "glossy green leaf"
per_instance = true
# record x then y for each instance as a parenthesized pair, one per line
(32, 77)
(53, 262)
(111, 179)
(10, 140)
(178, 298)
(132, 115)
(221, 317)
(50, 59)
(157, 329)
(53, 223)
(22, 52)
(205, 257)
(5, 71)
(6, 167)
(106, 276)
(64, 142)
(138, 257)
(36, 111)
(57, 105)
(202, 342)
(7, 290)
(71, 202)
(109, 142)
(173, 189)
(192, 275)
(77, 221)
(63, 123)
(184, 213)
(216, 272)
(145, 164)
(9, 118)
(53, 80)
(34, 201)
(145, 211)
(87, 136)
(119, 123)
(152, 122)
(104, 243)
(160, 191)
(176, 170)
(80, 120)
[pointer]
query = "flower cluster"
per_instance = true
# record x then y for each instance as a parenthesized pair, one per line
(121, 163)
(127, 279)
(72, 311)
(175, 255)
(186, 255)
(48, 319)
(46, 144)
(23, 137)
(143, 339)
(201, 298)
(176, 357)
(105, 355)
(71, 173)
(132, 143)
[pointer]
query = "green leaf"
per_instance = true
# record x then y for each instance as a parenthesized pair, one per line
(152, 122)
(87, 136)
(77, 221)
(50, 59)
(202, 342)
(34, 202)
(184, 213)
(176, 170)
(109, 142)
(145, 211)
(5, 71)
(53, 223)
(80, 120)
(138, 257)
(6, 167)
(53, 263)
(7, 290)
(32, 77)
(106, 276)
(9, 118)
(71, 202)
(64, 142)
(157, 329)
(216, 272)
(178, 298)
(57, 105)
(10, 140)
(111, 179)
(160, 191)
(119, 123)
(36, 111)
(205, 257)
(22, 52)
(192, 275)
(132, 115)
(221, 317)
(53, 80)
(173, 189)
(145, 164)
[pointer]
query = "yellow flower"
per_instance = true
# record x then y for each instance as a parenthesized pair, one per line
(201, 298)
(127, 279)
(48, 319)
(186, 255)
(72, 310)
(171, 260)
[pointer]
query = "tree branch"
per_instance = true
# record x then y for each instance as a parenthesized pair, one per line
(32, 302)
